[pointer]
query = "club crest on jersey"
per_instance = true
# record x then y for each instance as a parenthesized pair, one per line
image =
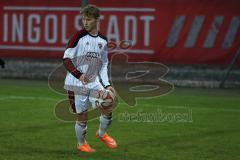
(100, 45)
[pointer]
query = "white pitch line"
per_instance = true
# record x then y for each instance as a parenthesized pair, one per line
(205, 108)
(186, 107)
(27, 98)
(137, 105)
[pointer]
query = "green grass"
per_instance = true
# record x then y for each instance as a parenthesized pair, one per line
(30, 130)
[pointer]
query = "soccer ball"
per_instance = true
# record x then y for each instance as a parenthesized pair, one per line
(104, 98)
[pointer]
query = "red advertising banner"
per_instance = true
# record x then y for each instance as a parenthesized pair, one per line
(167, 31)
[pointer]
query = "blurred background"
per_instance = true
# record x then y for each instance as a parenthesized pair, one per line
(197, 40)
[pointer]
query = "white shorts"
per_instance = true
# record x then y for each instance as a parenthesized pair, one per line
(80, 103)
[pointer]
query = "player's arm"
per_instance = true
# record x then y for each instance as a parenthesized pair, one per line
(69, 56)
(104, 71)
(71, 68)
(74, 71)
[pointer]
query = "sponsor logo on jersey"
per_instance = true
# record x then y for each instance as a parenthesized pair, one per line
(92, 55)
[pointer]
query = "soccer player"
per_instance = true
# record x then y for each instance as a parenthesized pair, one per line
(86, 60)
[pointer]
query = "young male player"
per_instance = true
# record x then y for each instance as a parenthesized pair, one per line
(86, 61)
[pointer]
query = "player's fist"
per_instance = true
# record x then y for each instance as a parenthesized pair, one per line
(84, 79)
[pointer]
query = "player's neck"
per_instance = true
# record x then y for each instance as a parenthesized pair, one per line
(93, 32)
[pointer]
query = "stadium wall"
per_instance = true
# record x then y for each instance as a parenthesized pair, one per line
(190, 36)
(179, 75)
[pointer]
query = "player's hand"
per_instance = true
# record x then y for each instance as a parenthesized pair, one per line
(112, 90)
(84, 79)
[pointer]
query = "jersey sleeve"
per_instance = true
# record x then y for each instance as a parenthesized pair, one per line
(71, 68)
(104, 68)
(71, 52)
(72, 45)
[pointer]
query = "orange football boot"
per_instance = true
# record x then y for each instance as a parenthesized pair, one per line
(85, 148)
(109, 141)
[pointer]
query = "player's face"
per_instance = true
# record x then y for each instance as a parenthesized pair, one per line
(89, 23)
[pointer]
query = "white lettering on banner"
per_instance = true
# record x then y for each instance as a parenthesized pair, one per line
(17, 27)
(129, 19)
(64, 30)
(33, 30)
(5, 28)
(54, 28)
(113, 30)
(147, 20)
(34, 27)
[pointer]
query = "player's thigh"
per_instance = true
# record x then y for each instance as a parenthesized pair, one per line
(79, 103)
(82, 103)
(94, 95)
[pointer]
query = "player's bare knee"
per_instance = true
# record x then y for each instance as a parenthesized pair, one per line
(106, 110)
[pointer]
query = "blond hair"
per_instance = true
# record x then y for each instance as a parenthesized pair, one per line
(91, 11)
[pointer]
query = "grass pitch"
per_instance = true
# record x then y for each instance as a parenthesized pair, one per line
(186, 124)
